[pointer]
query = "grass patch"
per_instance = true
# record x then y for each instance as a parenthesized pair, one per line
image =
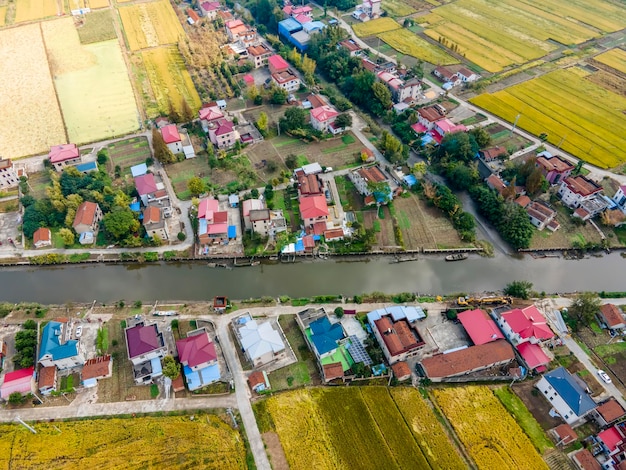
(97, 26)
(348, 139)
(595, 327)
(154, 390)
(605, 350)
(585, 348)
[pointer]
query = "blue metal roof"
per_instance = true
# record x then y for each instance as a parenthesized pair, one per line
(299, 246)
(202, 226)
(135, 206)
(325, 335)
(410, 180)
(570, 391)
(232, 231)
(50, 343)
(290, 25)
(198, 378)
(139, 170)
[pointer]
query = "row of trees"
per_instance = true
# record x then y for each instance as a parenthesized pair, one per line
(25, 345)
(444, 199)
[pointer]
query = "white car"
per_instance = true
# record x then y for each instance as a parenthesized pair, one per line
(79, 331)
(604, 376)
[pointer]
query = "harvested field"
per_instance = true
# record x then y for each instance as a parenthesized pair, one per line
(538, 406)
(92, 84)
(409, 43)
(396, 8)
(130, 152)
(150, 24)
(3, 15)
(611, 82)
(167, 82)
(30, 10)
(97, 26)
(93, 4)
(615, 58)
(24, 69)
(374, 27)
(153, 442)
(543, 106)
(260, 155)
(382, 226)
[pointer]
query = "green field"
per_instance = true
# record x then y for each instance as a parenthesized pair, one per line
(594, 129)
(408, 43)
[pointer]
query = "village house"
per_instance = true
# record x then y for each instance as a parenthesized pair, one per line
(192, 16)
(608, 412)
(146, 347)
(188, 149)
(100, 367)
(259, 55)
(466, 75)
(554, 168)
(351, 46)
(146, 187)
(208, 115)
(611, 316)
(496, 183)
(295, 11)
(445, 126)
(62, 156)
(563, 434)
(238, 31)
(575, 190)
(620, 198)
(42, 237)
(541, 216)
(213, 225)
(259, 381)
(282, 74)
(429, 115)
(309, 185)
(57, 349)
(401, 371)
(401, 90)
(172, 139)
(363, 180)
(368, 10)
(222, 133)
(584, 460)
(8, 175)
(492, 153)
(446, 75)
(19, 381)
(323, 119)
(566, 395)
(247, 206)
(209, 9)
(612, 446)
(396, 331)
(323, 336)
(468, 361)
(260, 341)
(88, 217)
(313, 209)
(198, 356)
(479, 326)
(47, 380)
(154, 223)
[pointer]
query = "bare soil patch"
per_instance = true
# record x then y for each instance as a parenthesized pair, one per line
(536, 404)
(275, 450)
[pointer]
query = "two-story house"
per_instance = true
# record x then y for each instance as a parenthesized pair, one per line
(620, 198)
(541, 216)
(397, 334)
(352, 47)
(88, 217)
(322, 119)
(366, 181)
(401, 90)
(209, 9)
(611, 317)
(429, 115)
(222, 133)
(554, 168)
(146, 347)
(260, 341)
(62, 156)
(57, 350)
(154, 223)
(566, 396)
(238, 31)
(248, 206)
(575, 190)
(208, 115)
(313, 209)
(282, 74)
(259, 55)
(172, 139)
(198, 356)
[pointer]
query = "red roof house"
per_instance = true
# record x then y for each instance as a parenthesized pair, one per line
(145, 184)
(313, 208)
(42, 237)
(277, 64)
(61, 153)
(196, 351)
(585, 460)
(611, 438)
(533, 355)
(608, 412)
(19, 381)
(401, 370)
(97, 368)
(170, 134)
(210, 113)
(207, 208)
(332, 371)
(527, 324)
(143, 339)
(564, 434)
(479, 326)
(612, 316)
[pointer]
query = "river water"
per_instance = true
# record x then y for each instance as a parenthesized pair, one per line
(198, 281)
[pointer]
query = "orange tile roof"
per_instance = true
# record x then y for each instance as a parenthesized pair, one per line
(47, 376)
(177, 384)
(401, 370)
(565, 433)
(611, 410)
(85, 213)
(96, 368)
(151, 215)
(372, 174)
(612, 315)
(555, 163)
(586, 460)
(582, 185)
(333, 371)
(42, 234)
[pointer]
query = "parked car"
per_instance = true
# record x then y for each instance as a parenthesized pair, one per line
(79, 331)
(604, 376)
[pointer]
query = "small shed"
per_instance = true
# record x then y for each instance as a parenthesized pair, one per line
(139, 170)
(233, 200)
(258, 381)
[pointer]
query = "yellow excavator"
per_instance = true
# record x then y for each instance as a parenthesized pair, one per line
(474, 301)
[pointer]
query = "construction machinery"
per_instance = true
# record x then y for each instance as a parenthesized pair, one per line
(475, 301)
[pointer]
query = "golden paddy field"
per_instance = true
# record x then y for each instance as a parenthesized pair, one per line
(150, 24)
(615, 58)
(29, 10)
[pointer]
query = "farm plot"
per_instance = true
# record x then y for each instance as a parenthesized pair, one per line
(166, 82)
(97, 26)
(260, 155)
(615, 58)
(337, 153)
(3, 15)
(93, 4)
(383, 226)
(92, 84)
(374, 27)
(129, 152)
(397, 8)
(408, 43)
(163, 442)
(30, 10)
(24, 69)
(150, 24)
(544, 107)
(491, 436)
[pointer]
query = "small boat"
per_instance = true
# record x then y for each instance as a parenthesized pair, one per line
(457, 257)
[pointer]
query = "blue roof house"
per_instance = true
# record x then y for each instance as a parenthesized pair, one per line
(567, 395)
(324, 336)
(56, 351)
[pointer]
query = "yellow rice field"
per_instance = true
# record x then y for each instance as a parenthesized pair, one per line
(408, 43)
(371, 28)
(94, 4)
(168, 81)
(31, 119)
(3, 15)
(154, 442)
(150, 24)
(586, 119)
(491, 436)
(92, 84)
(397, 8)
(615, 58)
(29, 10)
(496, 34)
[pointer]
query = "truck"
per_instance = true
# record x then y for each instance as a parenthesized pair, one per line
(471, 301)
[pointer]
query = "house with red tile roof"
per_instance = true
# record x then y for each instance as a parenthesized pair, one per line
(192, 16)
(323, 117)
(401, 371)
(365, 178)
(62, 156)
(259, 381)
(468, 361)
(209, 9)
(445, 126)
(222, 133)
(207, 207)
(172, 139)
(334, 234)
(286, 80)
(401, 90)
(259, 55)
(247, 207)
(146, 187)
(479, 326)
(398, 338)
(564, 434)
(154, 223)
(97, 368)
(238, 31)
(277, 64)
(574, 190)
(541, 216)
(495, 182)
(554, 168)
(209, 114)
(332, 371)
(42, 237)
(313, 209)
(492, 153)
(613, 440)
(612, 317)
(198, 356)
(428, 115)
(87, 218)
(446, 75)
(146, 347)
(608, 412)
(352, 47)
(534, 356)
(521, 325)
(309, 185)
(584, 460)
(47, 381)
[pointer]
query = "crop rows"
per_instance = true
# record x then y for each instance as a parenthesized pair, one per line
(491, 436)
(409, 43)
(371, 28)
(544, 105)
(150, 25)
(615, 58)
(30, 10)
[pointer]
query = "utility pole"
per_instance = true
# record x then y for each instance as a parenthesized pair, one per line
(515, 124)
(562, 139)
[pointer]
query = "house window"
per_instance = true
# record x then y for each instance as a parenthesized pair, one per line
(566, 416)
(551, 398)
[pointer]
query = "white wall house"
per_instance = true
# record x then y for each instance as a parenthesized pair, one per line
(577, 189)
(565, 395)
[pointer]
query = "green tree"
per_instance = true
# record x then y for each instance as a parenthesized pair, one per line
(161, 152)
(343, 120)
(535, 182)
(339, 312)
(278, 95)
(120, 222)
(294, 118)
(519, 289)
(67, 236)
(419, 168)
(461, 176)
(390, 147)
(16, 398)
(514, 226)
(252, 92)
(291, 161)
(171, 368)
(458, 146)
(102, 157)
(380, 190)
(186, 113)
(196, 186)
(30, 325)
(383, 99)
(482, 137)
(262, 123)
(585, 307)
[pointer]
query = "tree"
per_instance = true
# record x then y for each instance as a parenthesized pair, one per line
(343, 120)
(584, 307)
(390, 147)
(383, 99)
(262, 123)
(30, 325)
(461, 176)
(196, 186)
(269, 192)
(16, 398)
(535, 182)
(120, 222)
(339, 312)
(458, 146)
(253, 92)
(514, 225)
(278, 95)
(519, 289)
(67, 236)
(419, 168)
(171, 368)
(291, 161)
(33, 219)
(186, 113)
(102, 157)
(294, 118)
(482, 137)
(161, 152)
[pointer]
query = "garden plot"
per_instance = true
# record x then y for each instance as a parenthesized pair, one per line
(130, 152)
(92, 84)
(150, 24)
(374, 27)
(27, 129)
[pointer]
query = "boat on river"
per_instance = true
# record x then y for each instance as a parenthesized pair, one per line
(457, 257)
